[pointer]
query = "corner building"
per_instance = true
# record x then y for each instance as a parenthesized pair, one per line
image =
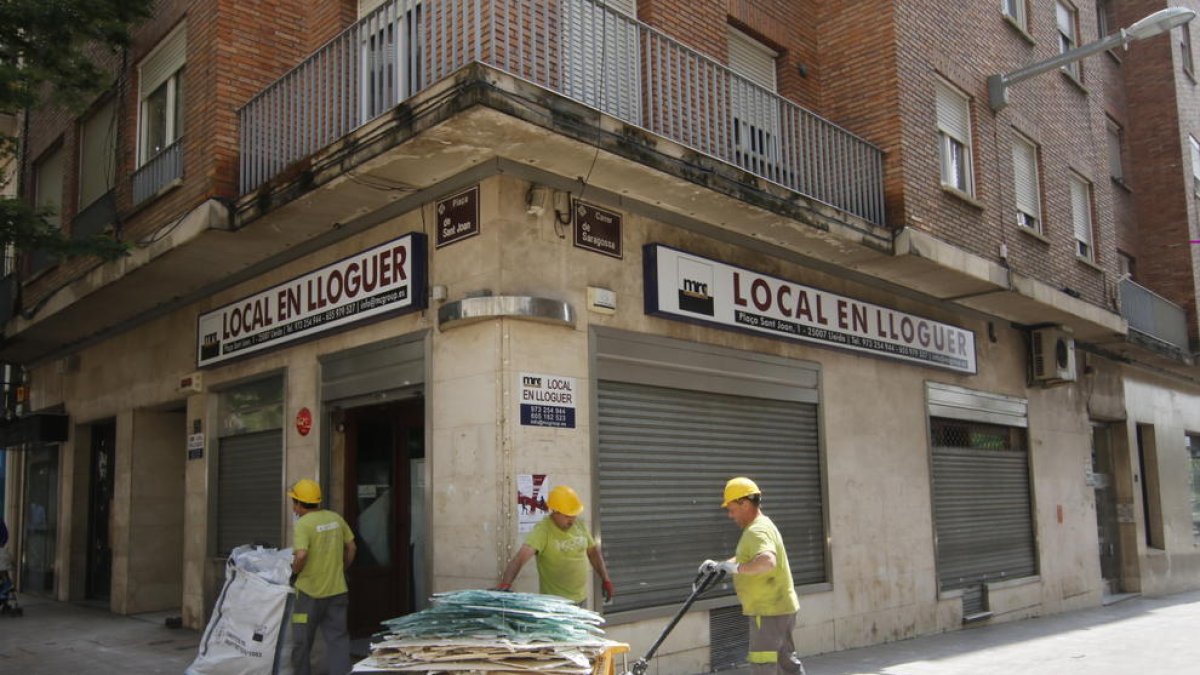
(440, 255)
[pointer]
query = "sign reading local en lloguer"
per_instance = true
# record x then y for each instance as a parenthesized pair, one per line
(387, 279)
(687, 287)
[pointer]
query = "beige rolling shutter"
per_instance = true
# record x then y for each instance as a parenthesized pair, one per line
(1025, 177)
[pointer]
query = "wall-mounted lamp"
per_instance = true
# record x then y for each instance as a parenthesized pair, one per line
(535, 200)
(1161, 21)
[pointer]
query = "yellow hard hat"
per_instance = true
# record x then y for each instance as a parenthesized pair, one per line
(306, 492)
(737, 488)
(564, 500)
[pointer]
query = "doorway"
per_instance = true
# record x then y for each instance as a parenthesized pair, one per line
(1107, 522)
(385, 451)
(100, 500)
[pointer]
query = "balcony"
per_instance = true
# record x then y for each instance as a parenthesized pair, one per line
(159, 172)
(96, 218)
(1154, 316)
(575, 48)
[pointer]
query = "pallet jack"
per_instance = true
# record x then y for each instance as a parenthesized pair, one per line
(705, 579)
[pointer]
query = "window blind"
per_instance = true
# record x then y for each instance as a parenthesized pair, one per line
(167, 58)
(1025, 176)
(1081, 210)
(752, 59)
(953, 114)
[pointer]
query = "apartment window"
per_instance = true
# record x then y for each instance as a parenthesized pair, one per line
(1068, 35)
(160, 95)
(1115, 156)
(756, 123)
(1015, 11)
(1185, 49)
(1026, 183)
(1195, 146)
(1081, 215)
(97, 154)
(48, 185)
(954, 138)
(1193, 444)
(1106, 18)
(1126, 265)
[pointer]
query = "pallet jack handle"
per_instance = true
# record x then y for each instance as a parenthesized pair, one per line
(704, 580)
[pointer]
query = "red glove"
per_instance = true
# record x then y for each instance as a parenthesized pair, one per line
(609, 592)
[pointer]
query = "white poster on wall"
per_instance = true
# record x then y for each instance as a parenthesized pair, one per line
(531, 500)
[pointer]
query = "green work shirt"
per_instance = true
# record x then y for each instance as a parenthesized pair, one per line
(324, 535)
(771, 593)
(562, 561)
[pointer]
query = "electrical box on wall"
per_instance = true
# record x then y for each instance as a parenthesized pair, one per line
(191, 384)
(1053, 355)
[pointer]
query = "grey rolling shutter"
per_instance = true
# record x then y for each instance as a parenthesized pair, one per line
(982, 506)
(249, 496)
(664, 456)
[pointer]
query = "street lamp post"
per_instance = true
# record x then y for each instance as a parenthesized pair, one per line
(1159, 22)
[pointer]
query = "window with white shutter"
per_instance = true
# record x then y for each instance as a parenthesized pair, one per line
(954, 134)
(602, 56)
(1026, 184)
(755, 105)
(160, 95)
(1081, 215)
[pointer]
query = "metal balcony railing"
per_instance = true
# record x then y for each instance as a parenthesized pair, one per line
(158, 172)
(577, 48)
(1151, 314)
(95, 218)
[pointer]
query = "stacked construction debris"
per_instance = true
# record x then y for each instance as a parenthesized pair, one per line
(490, 631)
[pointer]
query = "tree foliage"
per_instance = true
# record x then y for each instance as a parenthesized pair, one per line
(47, 57)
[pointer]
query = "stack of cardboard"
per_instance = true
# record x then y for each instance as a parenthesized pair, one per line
(491, 632)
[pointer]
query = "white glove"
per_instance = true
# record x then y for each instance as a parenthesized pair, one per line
(729, 567)
(708, 567)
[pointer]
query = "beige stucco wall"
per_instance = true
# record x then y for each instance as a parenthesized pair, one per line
(873, 419)
(1174, 411)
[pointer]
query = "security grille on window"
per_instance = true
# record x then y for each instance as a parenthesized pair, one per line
(1081, 216)
(1027, 185)
(1067, 20)
(249, 496)
(954, 134)
(160, 95)
(1015, 10)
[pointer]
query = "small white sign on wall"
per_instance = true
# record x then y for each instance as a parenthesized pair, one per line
(547, 400)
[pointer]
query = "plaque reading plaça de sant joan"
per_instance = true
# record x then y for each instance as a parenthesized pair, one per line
(597, 229)
(458, 217)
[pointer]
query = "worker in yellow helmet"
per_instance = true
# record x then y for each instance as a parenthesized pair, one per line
(563, 547)
(323, 547)
(762, 580)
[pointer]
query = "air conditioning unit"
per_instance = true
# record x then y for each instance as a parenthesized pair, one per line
(1053, 355)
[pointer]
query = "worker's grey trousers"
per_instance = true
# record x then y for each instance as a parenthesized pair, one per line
(329, 615)
(772, 651)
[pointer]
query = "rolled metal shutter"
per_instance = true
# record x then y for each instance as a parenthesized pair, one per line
(664, 456)
(982, 507)
(249, 499)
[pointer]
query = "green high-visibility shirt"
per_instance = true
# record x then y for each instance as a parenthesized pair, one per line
(562, 561)
(324, 535)
(771, 593)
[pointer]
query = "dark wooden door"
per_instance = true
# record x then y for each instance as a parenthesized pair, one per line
(381, 442)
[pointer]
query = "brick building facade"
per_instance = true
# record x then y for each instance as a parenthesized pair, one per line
(932, 289)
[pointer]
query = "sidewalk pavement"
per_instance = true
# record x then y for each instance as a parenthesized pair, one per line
(1147, 636)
